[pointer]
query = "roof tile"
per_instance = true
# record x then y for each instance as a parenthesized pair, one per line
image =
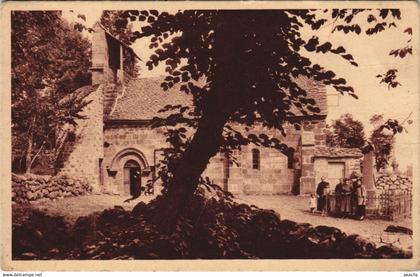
(144, 97)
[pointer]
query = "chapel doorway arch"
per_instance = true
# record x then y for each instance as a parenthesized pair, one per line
(131, 178)
(124, 167)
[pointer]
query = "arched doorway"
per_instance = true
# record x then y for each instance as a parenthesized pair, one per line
(132, 178)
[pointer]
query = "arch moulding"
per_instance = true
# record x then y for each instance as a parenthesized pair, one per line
(128, 154)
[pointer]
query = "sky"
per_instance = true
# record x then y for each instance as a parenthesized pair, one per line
(371, 53)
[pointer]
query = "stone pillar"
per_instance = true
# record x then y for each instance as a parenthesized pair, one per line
(307, 179)
(367, 174)
(368, 181)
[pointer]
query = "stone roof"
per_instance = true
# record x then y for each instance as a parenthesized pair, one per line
(144, 97)
(336, 152)
(316, 91)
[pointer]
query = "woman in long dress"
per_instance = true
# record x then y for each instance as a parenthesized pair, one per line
(345, 204)
(361, 201)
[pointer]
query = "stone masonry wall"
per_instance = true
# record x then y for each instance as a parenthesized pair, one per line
(83, 157)
(124, 142)
(141, 144)
(321, 168)
(142, 141)
(273, 176)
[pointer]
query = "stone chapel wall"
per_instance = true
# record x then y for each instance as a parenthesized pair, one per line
(82, 156)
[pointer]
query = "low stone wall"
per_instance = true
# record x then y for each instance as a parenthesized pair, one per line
(394, 183)
(26, 188)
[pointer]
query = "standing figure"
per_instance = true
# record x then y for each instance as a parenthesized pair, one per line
(321, 192)
(361, 201)
(338, 195)
(346, 199)
(339, 186)
(354, 177)
(312, 203)
(135, 185)
(327, 203)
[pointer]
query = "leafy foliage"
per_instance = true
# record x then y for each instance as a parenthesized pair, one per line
(346, 132)
(389, 78)
(49, 61)
(123, 33)
(241, 68)
(378, 20)
(383, 137)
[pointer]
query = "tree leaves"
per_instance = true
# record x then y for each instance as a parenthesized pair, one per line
(346, 132)
(339, 50)
(348, 28)
(383, 141)
(409, 31)
(389, 78)
(379, 27)
(383, 13)
(117, 24)
(401, 52)
(50, 60)
(312, 44)
(324, 47)
(371, 18)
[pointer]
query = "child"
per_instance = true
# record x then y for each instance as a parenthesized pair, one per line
(312, 203)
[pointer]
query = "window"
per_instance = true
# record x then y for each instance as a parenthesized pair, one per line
(255, 159)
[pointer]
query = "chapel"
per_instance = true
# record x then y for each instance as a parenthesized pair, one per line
(117, 151)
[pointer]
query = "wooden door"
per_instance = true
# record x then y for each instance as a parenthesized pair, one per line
(126, 186)
(132, 178)
(336, 171)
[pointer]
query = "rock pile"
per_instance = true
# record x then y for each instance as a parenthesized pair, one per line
(394, 184)
(26, 188)
(213, 227)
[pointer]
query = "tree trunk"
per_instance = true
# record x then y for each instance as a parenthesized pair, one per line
(28, 157)
(59, 145)
(219, 103)
(204, 145)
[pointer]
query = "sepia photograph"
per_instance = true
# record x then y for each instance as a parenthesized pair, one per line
(211, 131)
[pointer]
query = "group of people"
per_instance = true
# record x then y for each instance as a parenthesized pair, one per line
(350, 198)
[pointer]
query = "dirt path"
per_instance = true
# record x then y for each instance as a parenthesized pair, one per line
(296, 208)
